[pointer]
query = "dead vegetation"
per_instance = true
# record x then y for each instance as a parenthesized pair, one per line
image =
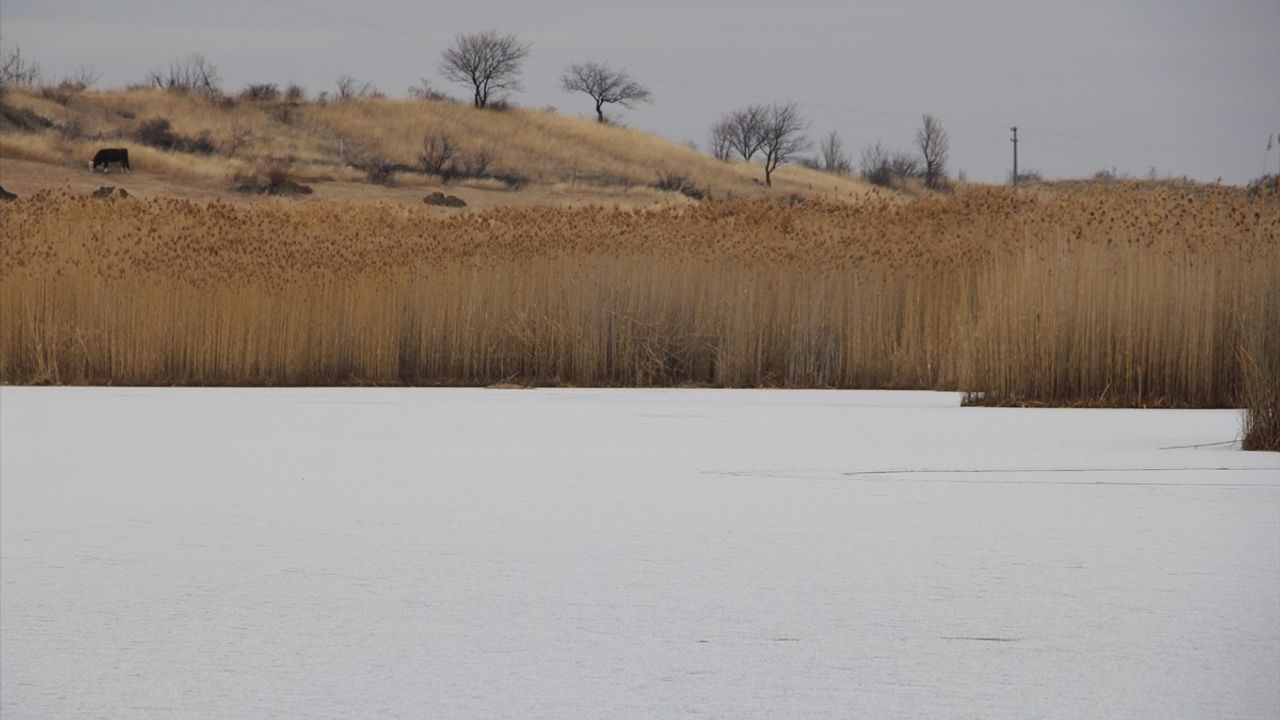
(1132, 297)
(368, 139)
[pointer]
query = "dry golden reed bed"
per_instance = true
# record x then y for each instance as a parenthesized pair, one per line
(1133, 297)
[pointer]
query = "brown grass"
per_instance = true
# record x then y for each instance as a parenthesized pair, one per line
(1120, 299)
(1260, 365)
(325, 139)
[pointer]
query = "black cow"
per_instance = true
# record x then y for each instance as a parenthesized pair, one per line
(111, 155)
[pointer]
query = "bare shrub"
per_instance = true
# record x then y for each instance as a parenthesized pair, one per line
(886, 168)
(477, 162)
(350, 88)
(201, 144)
(904, 166)
(193, 74)
(261, 92)
(380, 171)
(424, 90)
(295, 93)
(237, 138)
(874, 167)
(675, 182)
(16, 69)
(72, 84)
(437, 154)
(72, 129)
(60, 94)
(512, 179)
(158, 133)
(22, 119)
(82, 78)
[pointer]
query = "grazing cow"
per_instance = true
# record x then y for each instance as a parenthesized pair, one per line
(111, 155)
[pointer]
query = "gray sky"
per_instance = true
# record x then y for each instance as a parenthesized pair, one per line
(1187, 87)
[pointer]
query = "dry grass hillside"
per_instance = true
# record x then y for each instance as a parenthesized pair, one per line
(370, 148)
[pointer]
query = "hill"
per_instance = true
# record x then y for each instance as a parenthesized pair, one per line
(368, 148)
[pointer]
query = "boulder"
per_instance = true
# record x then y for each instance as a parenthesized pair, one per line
(439, 198)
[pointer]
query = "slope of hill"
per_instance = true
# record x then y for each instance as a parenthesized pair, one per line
(370, 147)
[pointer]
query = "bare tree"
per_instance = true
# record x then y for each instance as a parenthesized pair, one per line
(932, 142)
(834, 159)
(743, 130)
(15, 69)
(488, 62)
(350, 88)
(780, 137)
(721, 143)
(190, 74)
(605, 85)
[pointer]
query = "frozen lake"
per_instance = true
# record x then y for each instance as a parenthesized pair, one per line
(414, 553)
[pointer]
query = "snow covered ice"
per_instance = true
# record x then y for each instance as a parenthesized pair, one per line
(468, 553)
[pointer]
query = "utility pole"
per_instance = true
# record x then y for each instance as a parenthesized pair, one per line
(1015, 155)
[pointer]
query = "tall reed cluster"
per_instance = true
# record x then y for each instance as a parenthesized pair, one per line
(1135, 297)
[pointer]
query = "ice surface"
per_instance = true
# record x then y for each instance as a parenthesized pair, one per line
(424, 553)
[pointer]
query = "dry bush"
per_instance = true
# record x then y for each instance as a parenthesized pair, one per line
(158, 133)
(261, 92)
(192, 74)
(476, 164)
(674, 182)
(349, 88)
(437, 154)
(1134, 297)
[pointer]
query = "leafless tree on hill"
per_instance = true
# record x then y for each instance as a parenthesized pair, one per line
(932, 142)
(742, 131)
(834, 159)
(719, 144)
(781, 137)
(487, 62)
(605, 85)
(193, 73)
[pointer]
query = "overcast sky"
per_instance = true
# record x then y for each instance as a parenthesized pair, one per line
(1186, 87)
